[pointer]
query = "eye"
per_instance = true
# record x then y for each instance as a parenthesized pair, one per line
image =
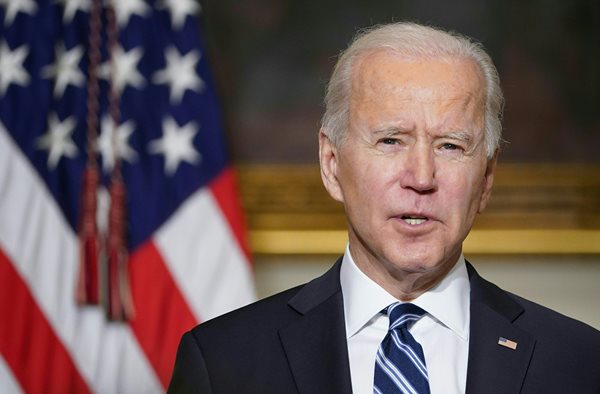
(389, 141)
(449, 146)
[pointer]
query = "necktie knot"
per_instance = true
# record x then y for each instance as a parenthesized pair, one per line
(403, 314)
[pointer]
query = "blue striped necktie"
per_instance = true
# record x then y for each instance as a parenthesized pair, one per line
(400, 363)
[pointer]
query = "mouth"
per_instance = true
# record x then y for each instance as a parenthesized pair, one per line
(414, 220)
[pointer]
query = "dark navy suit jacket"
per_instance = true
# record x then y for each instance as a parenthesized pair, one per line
(295, 342)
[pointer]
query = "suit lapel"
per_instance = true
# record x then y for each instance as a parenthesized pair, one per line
(316, 348)
(315, 344)
(493, 368)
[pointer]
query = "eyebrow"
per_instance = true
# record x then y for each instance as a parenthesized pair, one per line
(392, 130)
(460, 135)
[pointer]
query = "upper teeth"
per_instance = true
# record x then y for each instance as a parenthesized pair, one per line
(414, 221)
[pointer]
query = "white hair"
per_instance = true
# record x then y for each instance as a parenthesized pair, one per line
(414, 41)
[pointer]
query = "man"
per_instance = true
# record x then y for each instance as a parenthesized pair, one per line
(408, 145)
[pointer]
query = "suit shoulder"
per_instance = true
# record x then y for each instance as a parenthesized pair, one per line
(550, 326)
(271, 311)
(243, 344)
(264, 317)
(555, 326)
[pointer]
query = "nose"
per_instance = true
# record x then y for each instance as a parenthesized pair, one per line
(419, 170)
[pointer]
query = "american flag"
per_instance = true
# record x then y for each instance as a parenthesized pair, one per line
(507, 343)
(159, 130)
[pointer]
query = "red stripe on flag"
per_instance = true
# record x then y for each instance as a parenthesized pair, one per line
(224, 188)
(28, 343)
(161, 313)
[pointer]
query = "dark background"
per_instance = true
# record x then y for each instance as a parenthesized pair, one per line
(272, 59)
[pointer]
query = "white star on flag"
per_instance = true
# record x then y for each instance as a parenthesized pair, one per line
(11, 66)
(66, 69)
(57, 140)
(176, 145)
(72, 6)
(126, 8)
(179, 10)
(12, 7)
(105, 143)
(179, 73)
(125, 69)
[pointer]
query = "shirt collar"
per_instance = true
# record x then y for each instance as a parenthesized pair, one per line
(448, 302)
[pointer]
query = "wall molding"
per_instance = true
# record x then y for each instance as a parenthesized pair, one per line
(535, 209)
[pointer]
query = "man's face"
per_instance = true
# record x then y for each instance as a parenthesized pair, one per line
(412, 172)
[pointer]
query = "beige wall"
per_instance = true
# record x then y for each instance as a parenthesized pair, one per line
(570, 285)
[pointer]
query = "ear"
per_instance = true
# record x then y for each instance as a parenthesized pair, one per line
(328, 159)
(488, 182)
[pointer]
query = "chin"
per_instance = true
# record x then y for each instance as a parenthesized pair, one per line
(417, 261)
(414, 262)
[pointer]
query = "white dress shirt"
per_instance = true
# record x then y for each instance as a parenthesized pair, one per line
(443, 331)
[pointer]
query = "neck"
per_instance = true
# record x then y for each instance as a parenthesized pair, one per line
(404, 284)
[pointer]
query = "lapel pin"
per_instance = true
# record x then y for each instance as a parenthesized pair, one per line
(507, 343)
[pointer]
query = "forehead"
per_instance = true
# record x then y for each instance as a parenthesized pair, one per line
(385, 75)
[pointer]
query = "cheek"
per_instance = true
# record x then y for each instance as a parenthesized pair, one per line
(463, 191)
(368, 180)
